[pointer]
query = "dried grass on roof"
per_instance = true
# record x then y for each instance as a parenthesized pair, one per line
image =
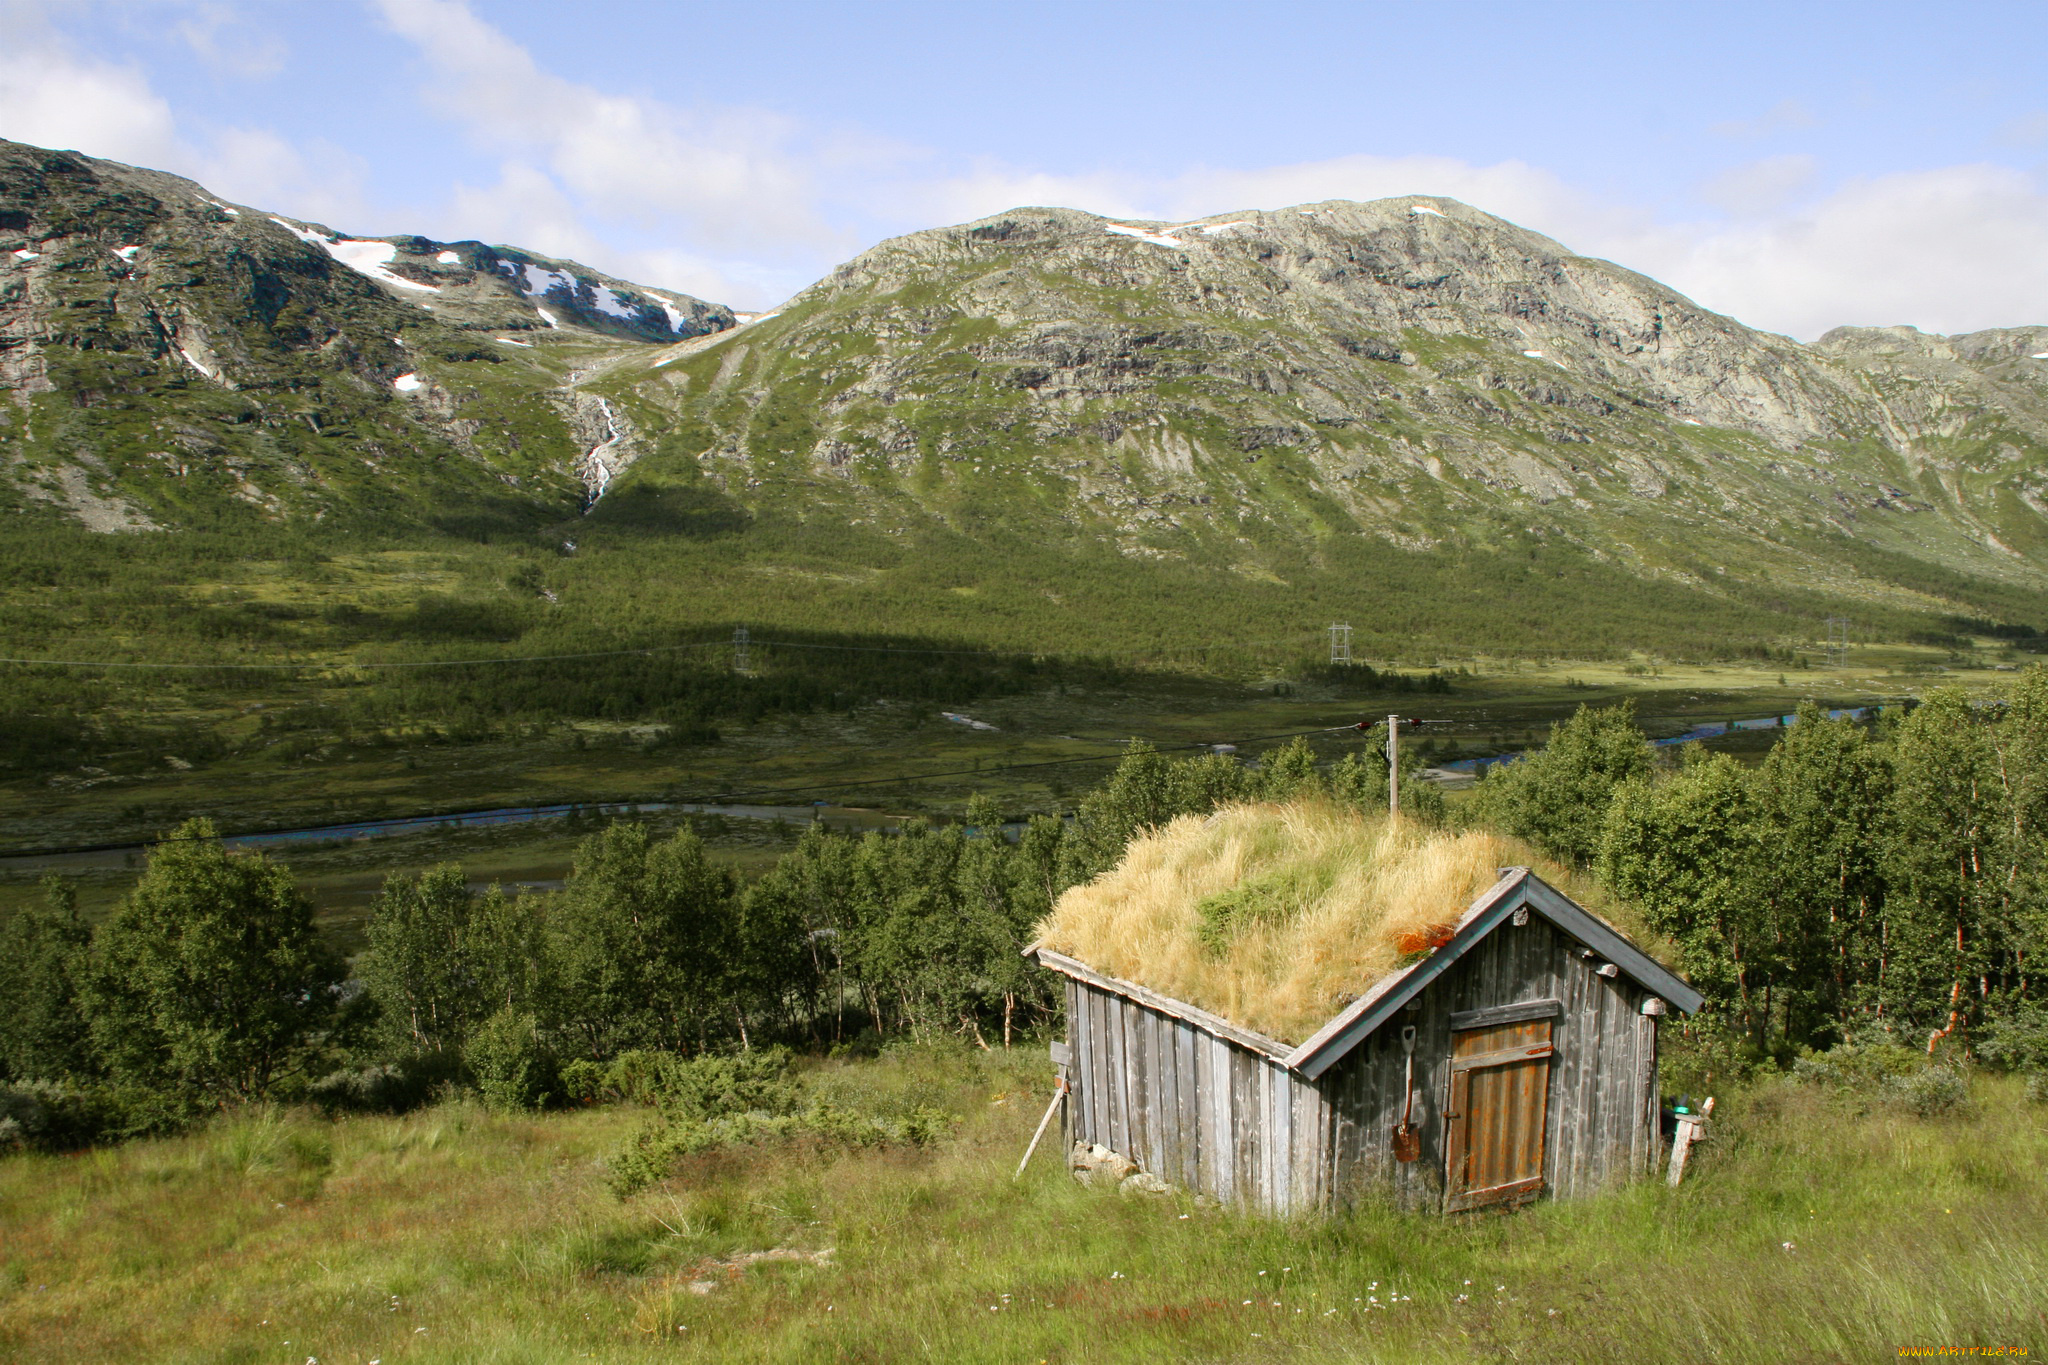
(1277, 916)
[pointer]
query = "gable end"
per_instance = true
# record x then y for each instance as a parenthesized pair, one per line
(1517, 888)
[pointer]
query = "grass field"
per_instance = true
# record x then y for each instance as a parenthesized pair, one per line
(1812, 1228)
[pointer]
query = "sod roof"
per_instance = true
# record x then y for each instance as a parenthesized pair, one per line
(1274, 917)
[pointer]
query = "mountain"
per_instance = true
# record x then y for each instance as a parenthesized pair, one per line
(177, 360)
(1045, 428)
(1265, 388)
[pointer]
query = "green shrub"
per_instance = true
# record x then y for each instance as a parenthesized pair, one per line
(715, 1086)
(61, 1116)
(513, 1069)
(657, 1149)
(1852, 1066)
(1935, 1092)
(387, 1087)
(2037, 1088)
(2017, 1041)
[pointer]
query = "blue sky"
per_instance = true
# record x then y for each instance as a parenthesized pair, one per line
(1797, 165)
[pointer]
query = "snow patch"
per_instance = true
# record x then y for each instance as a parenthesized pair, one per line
(2038, 355)
(608, 302)
(1155, 238)
(1211, 229)
(126, 253)
(26, 255)
(232, 213)
(1689, 421)
(365, 258)
(407, 383)
(968, 721)
(1533, 355)
(749, 319)
(508, 341)
(1425, 208)
(449, 258)
(539, 281)
(677, 319)
(198, 365)
(547, 317)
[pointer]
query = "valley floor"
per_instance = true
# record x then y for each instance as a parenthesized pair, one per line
(1066, 742)
(1811, 1228)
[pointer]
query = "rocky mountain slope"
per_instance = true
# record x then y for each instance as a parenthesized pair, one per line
(1317, 399)
(1410, 370)
(173, 359)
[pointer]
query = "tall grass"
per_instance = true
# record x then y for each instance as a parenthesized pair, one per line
(453, 1235)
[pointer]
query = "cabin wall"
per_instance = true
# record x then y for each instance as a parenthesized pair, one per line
(1202, 1112)
(1601, 1126)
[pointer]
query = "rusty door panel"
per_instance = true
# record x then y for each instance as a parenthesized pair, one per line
(1500, 1096)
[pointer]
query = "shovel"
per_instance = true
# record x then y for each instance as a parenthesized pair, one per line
(1407, 1137)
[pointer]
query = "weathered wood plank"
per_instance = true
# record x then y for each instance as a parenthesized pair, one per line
(1178, 1009)
(1118, 1091)
(1222, 1154)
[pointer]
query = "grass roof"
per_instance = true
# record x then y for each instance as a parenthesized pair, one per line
(1277, 916)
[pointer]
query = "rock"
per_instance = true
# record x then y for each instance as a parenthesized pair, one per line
(1096, 1165)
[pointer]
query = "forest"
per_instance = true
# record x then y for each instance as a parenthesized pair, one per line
(1866, 890)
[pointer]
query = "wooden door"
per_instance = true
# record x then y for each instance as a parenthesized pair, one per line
(1500, 1096)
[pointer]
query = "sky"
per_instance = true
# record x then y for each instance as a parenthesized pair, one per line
(1798, 165)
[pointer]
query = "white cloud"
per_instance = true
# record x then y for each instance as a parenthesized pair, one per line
(725, 179)
(527, 208)
(1762, 186)
(223, 37)
(52, 97)
(1954, 249)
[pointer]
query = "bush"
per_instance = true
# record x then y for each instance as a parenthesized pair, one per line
(737, 1083)
(386, 1088)
(1851, 1066)
(59, 1116)
(2037, 1088)
(2017, 1041)
(513, 1069)
(707, 1087)
(1935, 1092)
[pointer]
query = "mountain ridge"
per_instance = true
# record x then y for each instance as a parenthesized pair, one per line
(1415, 361)
(174, 358)
(1256, 397)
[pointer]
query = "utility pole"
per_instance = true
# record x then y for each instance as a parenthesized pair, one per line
(1394, 765)
(1838, 641)
(1340, 644)
(742, 651)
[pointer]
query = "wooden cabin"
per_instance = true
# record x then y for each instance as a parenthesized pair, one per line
(1518, 1039)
